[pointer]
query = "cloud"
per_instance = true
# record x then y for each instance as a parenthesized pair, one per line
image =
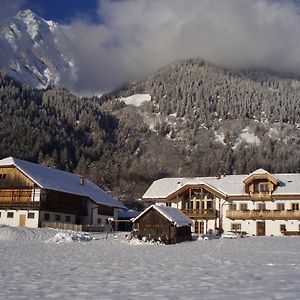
(137, 37)
(10, 8)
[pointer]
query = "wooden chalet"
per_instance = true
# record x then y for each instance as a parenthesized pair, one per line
(164, 224)
(32, 195)
(259, 203)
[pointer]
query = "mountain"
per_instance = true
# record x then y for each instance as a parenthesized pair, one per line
(191, 118)
(33, 50)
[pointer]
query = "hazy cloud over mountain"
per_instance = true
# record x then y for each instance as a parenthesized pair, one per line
(9, 8)
(137, 37)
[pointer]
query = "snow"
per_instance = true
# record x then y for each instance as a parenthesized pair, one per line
(136, 99)
(219, 137)
(246, 136)
(250, 268)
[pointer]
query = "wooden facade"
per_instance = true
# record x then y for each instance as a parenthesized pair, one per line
(23, 202)
(198, 202)
(154, 226)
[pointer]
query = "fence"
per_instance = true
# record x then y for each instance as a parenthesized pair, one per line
(73, 227)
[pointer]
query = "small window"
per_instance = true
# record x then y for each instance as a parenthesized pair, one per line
(99, 221)
(282, 227)
(209, 205)
(295, 206)
(236, 226)
(47, 217)
(2, 176)
(57, 217)
(243, 206)
(0, 214)
(264, 188)
(261, 206)
(256, 187)
(68, 219)
(10, 215)
(232, 206)
(30, 215)
(280, 206)
(168, 204)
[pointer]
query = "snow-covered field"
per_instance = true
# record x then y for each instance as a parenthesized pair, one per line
(250, 268)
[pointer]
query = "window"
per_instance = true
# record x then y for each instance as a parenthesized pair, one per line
(68, 219)
(168, 204)
(261, 206)
(47, 217)
(264, 188)
(295, 206)
(232, 206)
(30, 215)
(2, 176)
(0, 214)
(57, 217)
(209, 205)
(280, 206)
(10, 215)
(99, 221)
(236, 226)
(256, 187)
(282, 227)
(243, 206)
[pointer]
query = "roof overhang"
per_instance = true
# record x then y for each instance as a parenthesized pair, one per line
(208, 187)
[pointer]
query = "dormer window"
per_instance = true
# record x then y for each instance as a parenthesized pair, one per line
(260, 183)
(261, 188)
(264, 188)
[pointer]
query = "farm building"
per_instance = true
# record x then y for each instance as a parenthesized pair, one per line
(161, 223)
(259, 203)
(32, 195)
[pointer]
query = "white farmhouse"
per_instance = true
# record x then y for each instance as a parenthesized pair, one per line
(259, 203)
(31, 195)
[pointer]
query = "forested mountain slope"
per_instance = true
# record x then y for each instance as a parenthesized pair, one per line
(201, 120)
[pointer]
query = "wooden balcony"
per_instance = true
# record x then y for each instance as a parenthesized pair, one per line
(263, 214)
(18, 205)
(206, 214)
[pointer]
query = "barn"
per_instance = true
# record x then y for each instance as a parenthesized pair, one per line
(32, 195)
(161, 223)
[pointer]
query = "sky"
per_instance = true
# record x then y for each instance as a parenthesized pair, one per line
(117, 41)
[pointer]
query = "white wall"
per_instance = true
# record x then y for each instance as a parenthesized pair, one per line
(93, 215)
(52, 217)
(272, 228)
(15, 221)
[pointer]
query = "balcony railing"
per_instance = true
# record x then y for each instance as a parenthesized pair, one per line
(263, 214)
(17, 205)
(201, 214)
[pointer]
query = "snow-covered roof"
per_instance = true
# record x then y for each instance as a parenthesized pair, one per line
(260, 172)
(229, 185)
(53, 179)
(172, 214)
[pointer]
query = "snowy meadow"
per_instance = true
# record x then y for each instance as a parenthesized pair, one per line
(35, 265)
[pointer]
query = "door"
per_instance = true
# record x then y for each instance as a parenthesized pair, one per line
(260, 228)
(199, 226)
(22, 220)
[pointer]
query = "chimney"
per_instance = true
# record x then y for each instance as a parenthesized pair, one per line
(81, 180)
